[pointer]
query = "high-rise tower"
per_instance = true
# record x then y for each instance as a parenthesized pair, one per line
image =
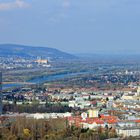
(0, 93)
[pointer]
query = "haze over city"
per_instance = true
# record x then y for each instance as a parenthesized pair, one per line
(75, 26)
(69, 70)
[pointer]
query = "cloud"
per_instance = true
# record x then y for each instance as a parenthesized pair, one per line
(4, 6)
(66, 4)
(61, 12)
(57, 18)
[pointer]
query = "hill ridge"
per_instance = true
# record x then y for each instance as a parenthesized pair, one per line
(8, 49)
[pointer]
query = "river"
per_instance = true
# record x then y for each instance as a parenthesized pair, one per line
(45, 78)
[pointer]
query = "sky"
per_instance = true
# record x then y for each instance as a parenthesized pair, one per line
(75, 26)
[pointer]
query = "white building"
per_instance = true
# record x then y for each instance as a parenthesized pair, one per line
(93, 113)
(128, 131)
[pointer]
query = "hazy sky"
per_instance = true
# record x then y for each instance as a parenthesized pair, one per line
(84, 26)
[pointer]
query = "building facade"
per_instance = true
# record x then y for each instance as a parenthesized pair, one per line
(128, 131)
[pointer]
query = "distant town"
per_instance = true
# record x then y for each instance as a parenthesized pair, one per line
(95, 101)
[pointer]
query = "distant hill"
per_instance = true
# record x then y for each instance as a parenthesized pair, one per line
(30, 51)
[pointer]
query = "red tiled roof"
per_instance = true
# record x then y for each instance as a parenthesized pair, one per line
(77, 120)
(112, 121)
(99, 121)
(137, 121)
(108, 117)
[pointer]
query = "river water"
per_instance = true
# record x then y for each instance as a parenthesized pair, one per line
(42, 79)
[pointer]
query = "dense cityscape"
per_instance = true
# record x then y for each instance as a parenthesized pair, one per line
(94, 101)
(69, 70)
